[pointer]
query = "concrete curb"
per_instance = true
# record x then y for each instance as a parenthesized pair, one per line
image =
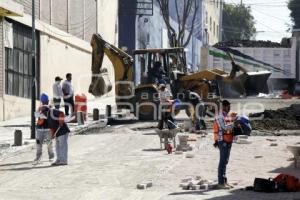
(78, 130)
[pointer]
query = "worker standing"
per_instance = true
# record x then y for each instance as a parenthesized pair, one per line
(57, 92)
(223, 136)
(43, 134)
(68, 93)
(196, 110)
(166, 105)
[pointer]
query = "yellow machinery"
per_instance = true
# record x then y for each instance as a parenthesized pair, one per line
(136, 80)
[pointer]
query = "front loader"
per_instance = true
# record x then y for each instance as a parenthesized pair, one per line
(137, 80)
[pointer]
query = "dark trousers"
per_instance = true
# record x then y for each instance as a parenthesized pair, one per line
(56, 103)
(224, 149)
(165, 118)
(69, 104)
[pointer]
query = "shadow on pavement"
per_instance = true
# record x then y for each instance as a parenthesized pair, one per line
(150, 133)
(153, 150)
(13, 164)
(193, 192)
(291, 170)
(239, 194)
(27, 168)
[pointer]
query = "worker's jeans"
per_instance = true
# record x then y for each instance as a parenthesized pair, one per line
(61, 147)
(224, 149)
(41, 136)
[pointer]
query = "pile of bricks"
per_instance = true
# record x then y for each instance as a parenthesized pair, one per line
(197, 183)
(183, 143)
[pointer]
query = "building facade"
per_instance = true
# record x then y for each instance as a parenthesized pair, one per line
(138, 31)
(63, 32)
(212, 21)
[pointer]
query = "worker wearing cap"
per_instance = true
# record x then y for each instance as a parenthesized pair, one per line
(166, 105)
(57, 92)
(43, 133)
(223, 136)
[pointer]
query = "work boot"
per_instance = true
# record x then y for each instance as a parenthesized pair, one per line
(37, 160)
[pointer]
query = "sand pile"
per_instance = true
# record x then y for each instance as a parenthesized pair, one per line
(282, 119)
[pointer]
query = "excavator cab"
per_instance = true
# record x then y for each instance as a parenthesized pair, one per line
(155, 66)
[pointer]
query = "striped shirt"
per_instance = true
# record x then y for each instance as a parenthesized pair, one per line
(223, 127)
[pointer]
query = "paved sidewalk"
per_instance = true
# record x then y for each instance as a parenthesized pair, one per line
(7, 128)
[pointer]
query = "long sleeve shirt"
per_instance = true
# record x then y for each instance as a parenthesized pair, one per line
(223, 126)
(57, 90)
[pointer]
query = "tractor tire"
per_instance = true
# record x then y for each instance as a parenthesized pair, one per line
(143, 111)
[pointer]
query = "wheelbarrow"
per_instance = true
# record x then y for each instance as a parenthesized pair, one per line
(165, 135)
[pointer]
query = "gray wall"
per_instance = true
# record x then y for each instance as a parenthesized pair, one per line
(27, 6)
(77, 17)
(1, 59)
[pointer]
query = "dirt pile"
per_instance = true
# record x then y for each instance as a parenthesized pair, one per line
(282, 119)
(252, 43)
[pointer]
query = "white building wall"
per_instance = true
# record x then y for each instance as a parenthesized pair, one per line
(58, 58)
(211, 20)
(62, 53)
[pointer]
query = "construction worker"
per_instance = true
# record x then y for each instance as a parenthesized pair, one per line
(43, 134)
(68, 94)
(223, 136)
(166, 105)
(196, 110)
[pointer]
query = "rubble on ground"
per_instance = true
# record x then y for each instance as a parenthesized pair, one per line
(282, 119)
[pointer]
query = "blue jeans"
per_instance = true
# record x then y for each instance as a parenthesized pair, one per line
(43, 136)
(61, 147)
(224, 149)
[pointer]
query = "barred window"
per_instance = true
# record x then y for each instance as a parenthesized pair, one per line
(18, 63)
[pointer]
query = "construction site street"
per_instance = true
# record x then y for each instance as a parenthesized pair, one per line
(109, 163)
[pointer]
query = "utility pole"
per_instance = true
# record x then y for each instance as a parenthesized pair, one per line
(241, 2)
(32, 136)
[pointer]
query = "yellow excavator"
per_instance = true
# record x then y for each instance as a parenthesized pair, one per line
(137, 80)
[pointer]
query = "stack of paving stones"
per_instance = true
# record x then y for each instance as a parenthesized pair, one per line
(183, 143)
(197, 183)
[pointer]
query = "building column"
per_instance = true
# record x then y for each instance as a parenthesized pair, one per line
(2, 69)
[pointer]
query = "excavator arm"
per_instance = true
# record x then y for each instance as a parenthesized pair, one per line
(123, 68)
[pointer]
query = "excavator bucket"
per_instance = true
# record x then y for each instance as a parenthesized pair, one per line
(250, 83)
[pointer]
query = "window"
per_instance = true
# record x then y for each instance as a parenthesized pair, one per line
(18, 68)
(206, 17)
(218, 31)
(214, 27)
(210, 25)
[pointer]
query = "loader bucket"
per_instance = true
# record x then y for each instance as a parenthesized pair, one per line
(257, 82)
(251, 83)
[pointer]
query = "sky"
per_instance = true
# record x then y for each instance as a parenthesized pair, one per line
(271, 18)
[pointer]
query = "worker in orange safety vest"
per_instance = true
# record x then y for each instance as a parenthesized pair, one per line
(223, 136)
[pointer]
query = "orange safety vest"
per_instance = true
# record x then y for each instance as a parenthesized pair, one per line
(228, 135)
